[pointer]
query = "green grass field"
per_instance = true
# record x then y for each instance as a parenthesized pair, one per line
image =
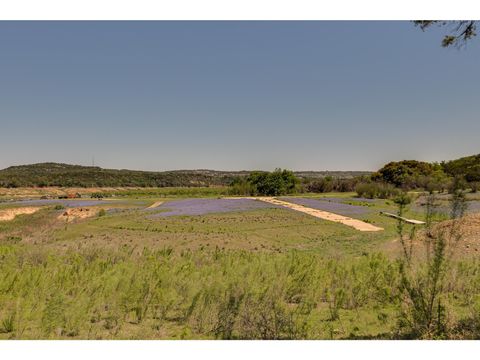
(260, 274)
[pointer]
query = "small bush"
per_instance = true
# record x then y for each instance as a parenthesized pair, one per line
(8, 325)
(376, 190)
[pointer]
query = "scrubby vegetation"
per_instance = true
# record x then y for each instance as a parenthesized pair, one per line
(278, 182)
(412, 174)
(404, 175)
(64, 175)
(265, 274)
(331, 184)
(463, 173)
(466, 167)
(386, 183)
(376, 190)
(213, 294)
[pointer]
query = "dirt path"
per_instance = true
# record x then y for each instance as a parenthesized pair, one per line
(155, 204)
(325, 215)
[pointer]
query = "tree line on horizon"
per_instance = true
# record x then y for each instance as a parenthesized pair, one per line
(396, 176)
(388, 182)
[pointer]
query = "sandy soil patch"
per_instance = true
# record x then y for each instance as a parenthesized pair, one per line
(9, 214)
(155, 204)
(469, 242)
(325, 215)
(78, 213)
(468, 245)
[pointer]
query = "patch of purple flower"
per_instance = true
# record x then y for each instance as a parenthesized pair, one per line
(208, 206)
(341, 200)
(330, 206)
(443, 207)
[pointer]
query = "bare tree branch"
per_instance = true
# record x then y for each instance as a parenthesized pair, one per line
(459, 32)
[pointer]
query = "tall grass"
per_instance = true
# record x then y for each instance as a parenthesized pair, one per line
(374, 190)
(203, 294)
(423, 279)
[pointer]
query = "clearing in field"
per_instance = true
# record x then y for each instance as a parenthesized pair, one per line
(325, 215)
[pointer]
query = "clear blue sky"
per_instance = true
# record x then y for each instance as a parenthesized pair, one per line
(234, 95)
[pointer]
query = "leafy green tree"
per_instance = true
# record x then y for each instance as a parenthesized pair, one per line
(406, 173)
(467, 167)
(278, 182)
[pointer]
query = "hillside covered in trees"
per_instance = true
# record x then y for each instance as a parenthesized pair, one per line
(412, 174)
(407, 175)
(64, 175)
(54, 174)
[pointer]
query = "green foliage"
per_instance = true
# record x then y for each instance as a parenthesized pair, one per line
(241, 186)
(168, 192)
(423, 283)
(215, 294)
(402, 200)
(376, 190)
(466, 167)
(278, 182)
(64, 175)
(404, 173)
(8, 324)
(412, 174)
(329, 184)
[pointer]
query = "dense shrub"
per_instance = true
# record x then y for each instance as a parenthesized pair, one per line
(329, 184)
(374, 190)
(241, 186)
(278, 182)
(467, 167)
(457, 183)
(412, 174)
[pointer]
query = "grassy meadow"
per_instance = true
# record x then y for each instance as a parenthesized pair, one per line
(266, 273)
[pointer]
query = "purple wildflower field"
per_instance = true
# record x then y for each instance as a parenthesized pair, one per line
(208, 206)
(444, 208)
(341, 200)
(330, 206)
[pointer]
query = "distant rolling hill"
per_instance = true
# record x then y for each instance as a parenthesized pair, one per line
(65, 175)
